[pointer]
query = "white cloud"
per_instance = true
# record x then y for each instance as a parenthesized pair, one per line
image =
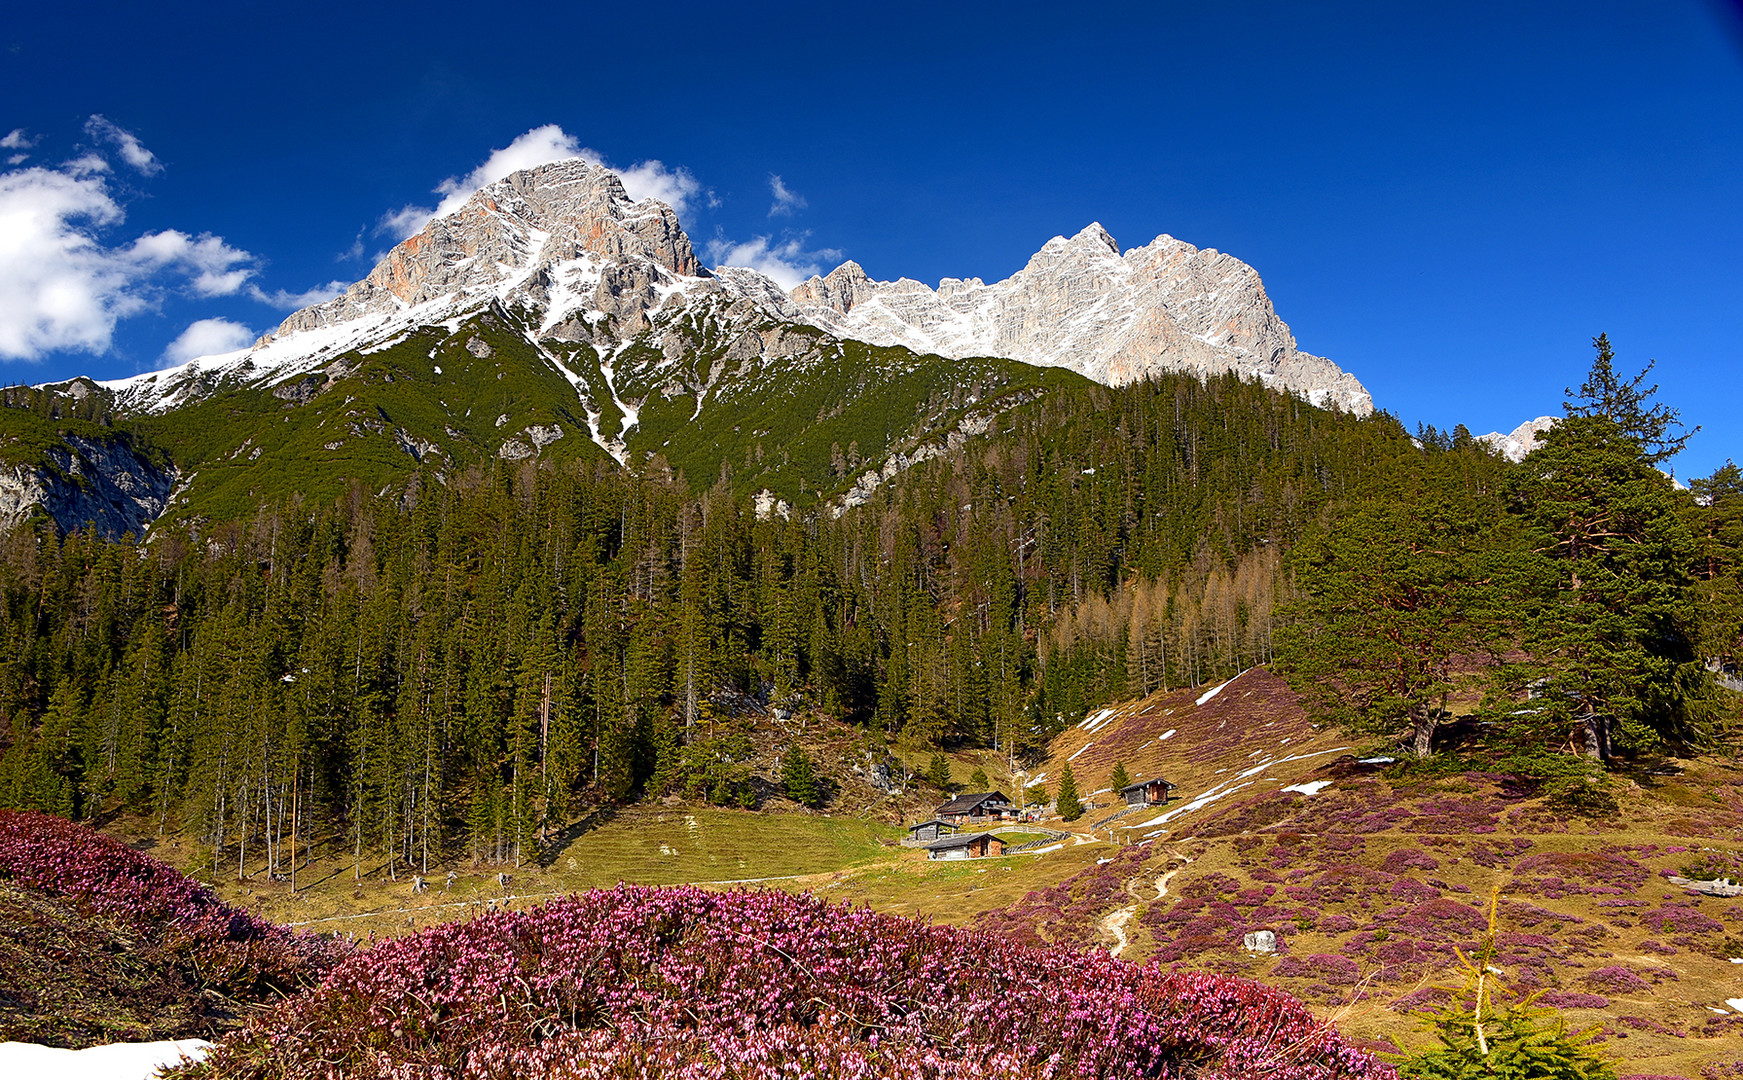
(208, 337)
(217, 268)
(132, 152)
(290, 301)
(16, 140)
(541, 146)
(652, 180)
(787, 262)
(61, 287)
(786, 199)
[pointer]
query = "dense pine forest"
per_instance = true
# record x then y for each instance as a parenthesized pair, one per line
(461, 663)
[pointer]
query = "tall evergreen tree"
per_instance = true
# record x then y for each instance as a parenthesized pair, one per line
(1069, 807)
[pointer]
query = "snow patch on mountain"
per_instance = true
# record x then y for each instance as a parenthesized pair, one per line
(1521, 440)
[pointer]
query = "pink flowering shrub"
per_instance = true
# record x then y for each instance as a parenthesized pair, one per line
(679, 982)
(222, 947)
(1680, 918)
(1405, 860)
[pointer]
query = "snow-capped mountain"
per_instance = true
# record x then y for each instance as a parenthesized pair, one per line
(565, 241)
(1521, 440)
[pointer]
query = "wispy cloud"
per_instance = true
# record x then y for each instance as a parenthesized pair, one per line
(675, 187)
(208, 337)
(786, 199)
(17, 142)
(787, 262)
(290, 301)
(126, 143)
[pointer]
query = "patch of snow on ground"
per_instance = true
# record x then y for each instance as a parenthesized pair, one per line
(1376, 760)
(1085, 746)
(1312, 787)
(1735, 1003)
(117, 1061)
(1042, 850)
(1212, 692)
(1165, 736)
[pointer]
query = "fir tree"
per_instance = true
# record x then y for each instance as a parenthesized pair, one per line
(799, 777)
(977, 780)
(938, 772)
(1118, 778)
(1068, 806)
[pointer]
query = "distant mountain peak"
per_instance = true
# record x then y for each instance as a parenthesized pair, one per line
(1080, 304)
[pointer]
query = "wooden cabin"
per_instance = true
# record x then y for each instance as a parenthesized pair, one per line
(1147, 792)
(977, 807)
(966, 846)
(928, 831)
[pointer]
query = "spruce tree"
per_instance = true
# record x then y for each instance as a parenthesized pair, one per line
(1118, 778)
(799, 776)
(938, 772)
(1069, 807)
(977, 780)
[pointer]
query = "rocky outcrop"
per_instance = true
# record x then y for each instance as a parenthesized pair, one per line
(1081, 304)
(88, 483)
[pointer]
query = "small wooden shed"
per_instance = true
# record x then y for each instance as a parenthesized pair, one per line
(933, 829)
(966, 846)
(1147, 792)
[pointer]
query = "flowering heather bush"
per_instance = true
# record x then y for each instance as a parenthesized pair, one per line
(1458, 817)
(1572, 999)
(1616, 979)
(1681, 919)
(224, 947)
(1332, 968)
(1405, 860)
(1596, 872)
(679, 982)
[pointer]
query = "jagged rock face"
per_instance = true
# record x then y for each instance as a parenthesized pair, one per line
(100, 484)
(564, 226)
(1081, 304)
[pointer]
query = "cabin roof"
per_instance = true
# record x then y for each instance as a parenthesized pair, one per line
(932, 821)
(1145, 784)
(967, 801)
(961, 840)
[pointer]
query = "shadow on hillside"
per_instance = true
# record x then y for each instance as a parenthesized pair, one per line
(560, 841)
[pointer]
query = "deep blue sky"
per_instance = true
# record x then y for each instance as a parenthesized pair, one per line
(1449, 200)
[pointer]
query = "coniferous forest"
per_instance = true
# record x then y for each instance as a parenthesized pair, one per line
(461, 663)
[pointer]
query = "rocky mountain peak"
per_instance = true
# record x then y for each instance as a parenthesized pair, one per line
(845, 286)
(516, 232)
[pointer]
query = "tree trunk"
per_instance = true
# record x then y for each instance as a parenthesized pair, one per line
(1422, 724)
(1596, 728)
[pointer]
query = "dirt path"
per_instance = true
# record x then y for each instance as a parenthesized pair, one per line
(1114, 923)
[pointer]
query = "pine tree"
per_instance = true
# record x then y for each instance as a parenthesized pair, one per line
(1118, 778)
(799, 777)
(938, 772)
(1654, 426)
(1600, 588)
(1068, 806)
(977, 780)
